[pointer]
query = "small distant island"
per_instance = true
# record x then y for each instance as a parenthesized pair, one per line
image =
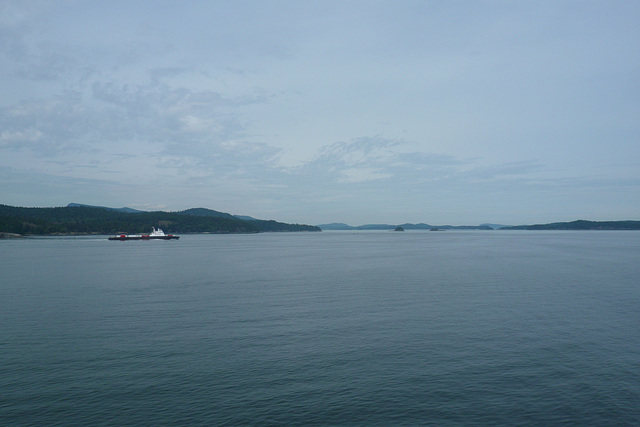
(580, 225)
(406, 226)
(77, 219)
(398, 228)
(10, 236)
(573, 225)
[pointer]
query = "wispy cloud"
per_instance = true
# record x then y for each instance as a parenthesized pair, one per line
(377, 158)
(323, 111)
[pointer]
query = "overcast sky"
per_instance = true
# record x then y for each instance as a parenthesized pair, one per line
(456, 112)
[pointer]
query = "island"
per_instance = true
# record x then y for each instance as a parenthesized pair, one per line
(76, 219)
(580, 225)
(4, 235)
(407, 226)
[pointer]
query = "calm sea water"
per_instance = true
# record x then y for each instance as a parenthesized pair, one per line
(332, 328)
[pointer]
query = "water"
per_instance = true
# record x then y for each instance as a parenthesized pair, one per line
(333, 328)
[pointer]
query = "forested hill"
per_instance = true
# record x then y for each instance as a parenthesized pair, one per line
(99, 220)
(580, 225)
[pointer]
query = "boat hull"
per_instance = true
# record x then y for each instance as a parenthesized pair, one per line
(168, 237)
(154, 235)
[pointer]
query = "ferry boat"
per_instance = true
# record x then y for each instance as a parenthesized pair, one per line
(154, 235)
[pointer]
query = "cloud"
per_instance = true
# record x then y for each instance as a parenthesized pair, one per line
(378, 159)
(50, 189)
(47, 127)
(316, 108)
(16, 138)
(120, 119)
(508, 170)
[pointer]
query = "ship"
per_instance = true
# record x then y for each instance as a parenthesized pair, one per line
(156, 234)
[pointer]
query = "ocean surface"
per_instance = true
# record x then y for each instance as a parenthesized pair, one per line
(332, 328)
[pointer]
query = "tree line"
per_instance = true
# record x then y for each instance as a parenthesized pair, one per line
(95, 220)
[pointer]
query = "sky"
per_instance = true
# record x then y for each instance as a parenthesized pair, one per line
(444, 112)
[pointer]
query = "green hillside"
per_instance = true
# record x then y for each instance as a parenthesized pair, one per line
(98, 220)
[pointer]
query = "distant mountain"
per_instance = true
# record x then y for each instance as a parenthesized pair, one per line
(408, 226)
(376, 227)
(496, 226)
(262, 225)
(573, 225)
(84, 219)
(206, 212)
(580, 225)
(342, 226)
(336, 226)
(127, 210)
(421, 226)
(246, 218)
